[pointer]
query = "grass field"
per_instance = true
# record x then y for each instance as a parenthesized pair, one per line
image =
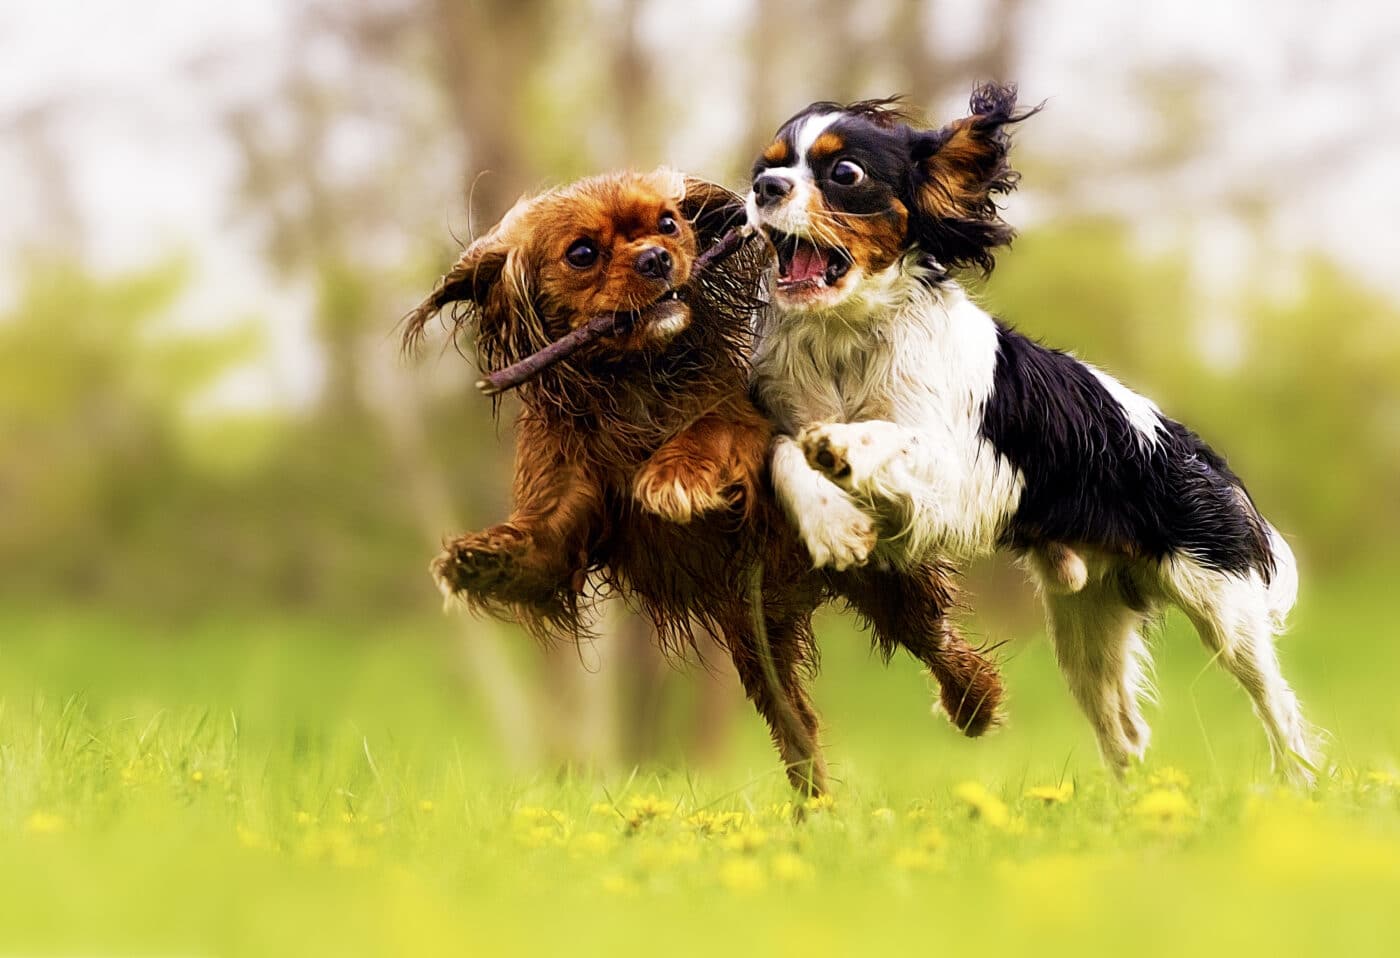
(277, 787)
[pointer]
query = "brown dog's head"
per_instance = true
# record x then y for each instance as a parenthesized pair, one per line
(620, 244)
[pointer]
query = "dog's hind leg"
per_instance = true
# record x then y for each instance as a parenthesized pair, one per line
(1233, 616)
(785, 706)
(911, 609)
(1097, 634)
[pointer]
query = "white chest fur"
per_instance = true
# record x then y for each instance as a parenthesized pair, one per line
(926, 363)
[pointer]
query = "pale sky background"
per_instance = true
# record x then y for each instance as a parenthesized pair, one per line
(1308, 94)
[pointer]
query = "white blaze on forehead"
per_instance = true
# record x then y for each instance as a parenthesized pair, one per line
(1143, 414)
(806, 134)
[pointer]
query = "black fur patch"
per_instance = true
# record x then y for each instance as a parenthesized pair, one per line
(1090, 478)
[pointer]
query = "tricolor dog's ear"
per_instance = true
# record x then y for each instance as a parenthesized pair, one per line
(960, 170)
(711, 209)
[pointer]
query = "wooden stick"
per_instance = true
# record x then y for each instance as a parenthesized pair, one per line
(600, 326)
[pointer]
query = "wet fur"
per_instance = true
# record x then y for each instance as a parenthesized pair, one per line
(641, 465)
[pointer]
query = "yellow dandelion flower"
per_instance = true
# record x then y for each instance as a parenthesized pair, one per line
(715, 823)
(819, 803)
(931, 838)
(1169, 777)
(885, 816)
(742, 875)
(788, 867)
(982, 804)
(538, 836)
(1052, 794)
(746, 840)
(646, 808)
(197, 776)
(1164, 810)
(348, 817)
(45, 823)
(426, 806)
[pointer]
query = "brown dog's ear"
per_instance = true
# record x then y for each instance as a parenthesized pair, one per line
(711, 209)
(962, 168)
(470, 280)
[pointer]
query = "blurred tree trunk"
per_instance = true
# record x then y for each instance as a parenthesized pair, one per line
(485, 49)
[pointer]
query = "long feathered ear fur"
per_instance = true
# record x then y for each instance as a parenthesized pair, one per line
(733, 288)
(488, 266)
(960, 170)
(711, 209)
(488, 287)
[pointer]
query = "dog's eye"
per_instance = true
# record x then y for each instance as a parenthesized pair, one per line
(668, 225)
(847, 173)
(581, 254)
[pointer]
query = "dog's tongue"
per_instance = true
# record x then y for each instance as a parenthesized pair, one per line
(808, 262)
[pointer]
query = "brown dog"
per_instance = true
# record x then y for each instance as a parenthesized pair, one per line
(641, 461)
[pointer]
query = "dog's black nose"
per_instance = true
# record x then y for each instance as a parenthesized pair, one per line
(769, 188)
(654, 263)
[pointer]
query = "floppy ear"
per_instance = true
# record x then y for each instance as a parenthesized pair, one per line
(961, 168)
(711, 209)
(470, 280)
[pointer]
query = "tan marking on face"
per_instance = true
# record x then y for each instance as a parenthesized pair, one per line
(778, 153)
(827, 145)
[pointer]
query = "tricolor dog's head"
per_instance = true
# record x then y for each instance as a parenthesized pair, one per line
(853, 196)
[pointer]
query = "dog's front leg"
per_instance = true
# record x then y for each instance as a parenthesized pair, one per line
(834, 529)
(539, 557)
(714, 463)
(874, 459)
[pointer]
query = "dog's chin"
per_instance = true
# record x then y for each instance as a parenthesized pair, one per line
(656, 324)
(813, 295)
(663, 321)
(811, 276)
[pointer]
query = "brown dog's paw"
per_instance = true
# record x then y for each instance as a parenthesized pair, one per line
(970, 687)
(478, 563)
(679, 489)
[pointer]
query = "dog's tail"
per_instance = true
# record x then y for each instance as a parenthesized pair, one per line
(1283, 584)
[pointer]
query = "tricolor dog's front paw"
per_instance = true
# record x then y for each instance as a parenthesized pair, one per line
(850, 454)
(836, 532)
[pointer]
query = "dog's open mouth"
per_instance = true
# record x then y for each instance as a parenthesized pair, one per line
(802, 264)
